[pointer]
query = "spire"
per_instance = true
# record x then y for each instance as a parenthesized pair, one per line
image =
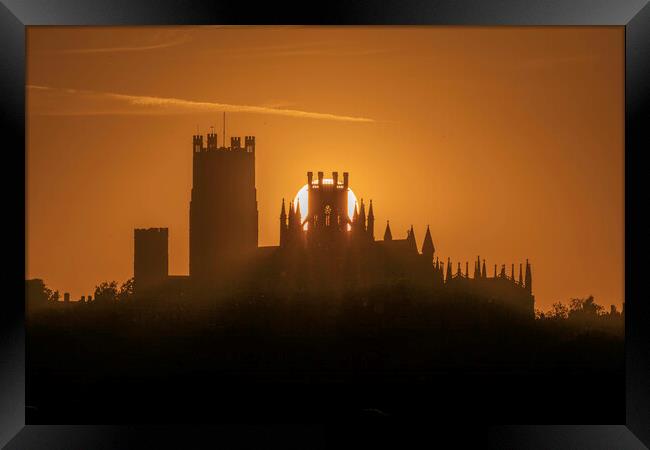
(448, 269)
(521, 279)
(512, 273)
(427, 246)
(362, 216)
(297, 215)
(503, 271)
(283, 225)
(484, 272)
(283, 214)
(529, 278)
(290, 217)
(458, 270)
(477, 268)
(410, 238)
(388, 236)
(466, 269)
(371, 223)
(355, 217)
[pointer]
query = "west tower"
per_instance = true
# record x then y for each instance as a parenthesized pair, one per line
(223, 208)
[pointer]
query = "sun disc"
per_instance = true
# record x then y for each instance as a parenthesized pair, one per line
(303, 197)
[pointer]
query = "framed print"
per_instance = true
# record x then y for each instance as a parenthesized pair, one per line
(398, 214)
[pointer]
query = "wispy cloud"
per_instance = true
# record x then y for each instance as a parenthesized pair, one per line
(299, 49)
(133, 48)
(309, 49)
(324, 52)
(44, 100)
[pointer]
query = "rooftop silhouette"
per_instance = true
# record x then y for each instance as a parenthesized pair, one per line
(325, 250)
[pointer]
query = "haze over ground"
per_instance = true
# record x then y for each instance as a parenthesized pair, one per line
(508, 142)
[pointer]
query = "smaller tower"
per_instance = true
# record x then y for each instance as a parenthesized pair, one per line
(484, 271)
(529, 278)
(448, 277)
(150, 262)
(521, 279)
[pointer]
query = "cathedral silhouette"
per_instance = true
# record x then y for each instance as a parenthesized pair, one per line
(325, 252)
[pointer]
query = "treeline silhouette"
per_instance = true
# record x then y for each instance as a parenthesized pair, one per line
(396, 349)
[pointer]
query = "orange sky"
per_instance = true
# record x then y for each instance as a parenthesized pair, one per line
(508, 142)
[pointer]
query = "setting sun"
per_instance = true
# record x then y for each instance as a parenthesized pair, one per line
(302, 199)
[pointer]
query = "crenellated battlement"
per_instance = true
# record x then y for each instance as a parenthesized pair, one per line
(322, 182)
(213, 144)
(152, 230)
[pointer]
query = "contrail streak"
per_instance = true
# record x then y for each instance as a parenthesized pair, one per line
(169, 105)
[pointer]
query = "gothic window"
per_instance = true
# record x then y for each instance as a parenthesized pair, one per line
(328, 214)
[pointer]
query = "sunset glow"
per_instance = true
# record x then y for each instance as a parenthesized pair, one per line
(507, 141)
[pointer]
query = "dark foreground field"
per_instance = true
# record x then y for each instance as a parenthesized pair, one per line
(294, 361)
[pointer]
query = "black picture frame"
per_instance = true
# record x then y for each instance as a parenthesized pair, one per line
(15, 15)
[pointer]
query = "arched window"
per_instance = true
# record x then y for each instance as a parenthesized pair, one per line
(328, 215)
